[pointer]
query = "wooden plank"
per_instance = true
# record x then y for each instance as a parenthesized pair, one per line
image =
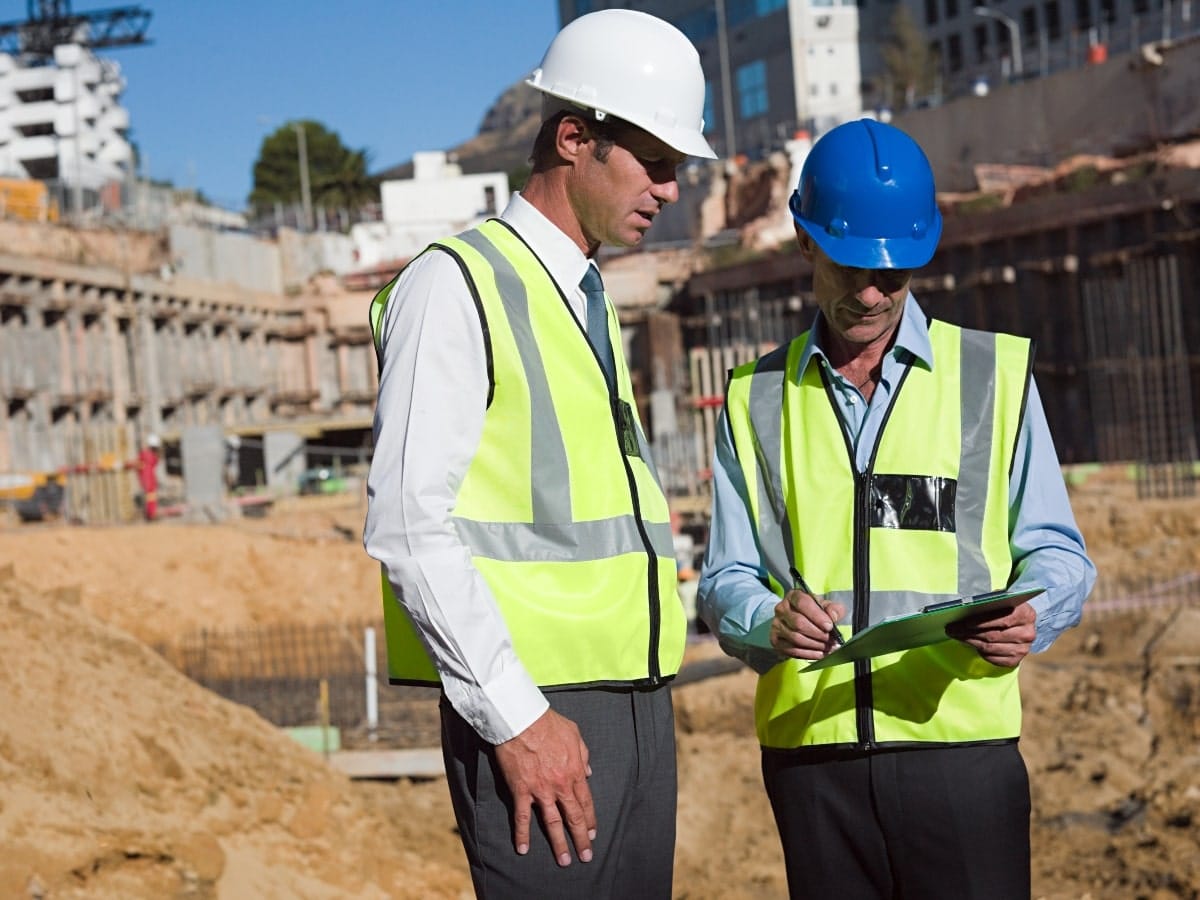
(412, 763)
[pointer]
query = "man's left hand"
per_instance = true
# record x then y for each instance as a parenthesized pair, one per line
(1001, 640)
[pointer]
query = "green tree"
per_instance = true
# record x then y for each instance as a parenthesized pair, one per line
(337, 175)
(910, 64)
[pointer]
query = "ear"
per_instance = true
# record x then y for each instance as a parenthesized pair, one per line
(571, 137)
(806, 242)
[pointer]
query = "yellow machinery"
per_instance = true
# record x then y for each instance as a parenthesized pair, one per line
(34, 496)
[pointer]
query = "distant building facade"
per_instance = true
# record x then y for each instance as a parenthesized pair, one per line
(775, 67)
(63, 123)
(438, 200)
(771, 67)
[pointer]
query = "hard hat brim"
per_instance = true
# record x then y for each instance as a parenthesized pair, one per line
(685, 140)
(872, 253)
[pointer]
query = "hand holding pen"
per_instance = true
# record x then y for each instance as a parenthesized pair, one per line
(799, 582)
(804, 627)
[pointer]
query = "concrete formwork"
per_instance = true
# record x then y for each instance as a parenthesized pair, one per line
(84, 346)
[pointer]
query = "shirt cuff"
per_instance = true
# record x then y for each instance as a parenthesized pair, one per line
(500, 709)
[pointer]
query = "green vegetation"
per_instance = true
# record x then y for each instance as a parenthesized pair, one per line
(337, 175)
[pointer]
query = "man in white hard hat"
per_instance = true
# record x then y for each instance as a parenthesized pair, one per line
(524, 537)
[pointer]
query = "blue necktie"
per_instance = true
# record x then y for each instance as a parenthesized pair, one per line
(597, 319)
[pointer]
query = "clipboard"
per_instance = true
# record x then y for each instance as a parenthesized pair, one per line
(919, 629)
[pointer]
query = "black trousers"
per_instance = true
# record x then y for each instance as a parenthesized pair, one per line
(630, 736)
(943, 823)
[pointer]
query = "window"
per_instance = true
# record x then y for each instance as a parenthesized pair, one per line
(1002, 38)
(752, 89)
(931, 12)
(1053, 20)
(489, 200)
(710, 120)
(1083, 13)
(981, 43)
(582, 7)
(740, 11)
(1108, 11)
(1029, 26)
(700, 25)
(954, 55)
(951, 9)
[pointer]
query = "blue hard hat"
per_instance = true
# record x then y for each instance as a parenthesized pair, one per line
(866, 197)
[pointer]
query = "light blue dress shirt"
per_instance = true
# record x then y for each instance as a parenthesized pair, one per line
(1047, 547)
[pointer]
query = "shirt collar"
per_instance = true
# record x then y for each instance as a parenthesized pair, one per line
(558, 253)
(912, 338)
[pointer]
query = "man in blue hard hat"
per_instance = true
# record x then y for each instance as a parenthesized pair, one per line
(879, 464)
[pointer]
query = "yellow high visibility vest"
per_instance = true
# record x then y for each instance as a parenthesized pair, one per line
(928, 521)
(561, 506)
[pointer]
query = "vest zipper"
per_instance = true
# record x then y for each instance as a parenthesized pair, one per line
(864, 698)
(654, 598)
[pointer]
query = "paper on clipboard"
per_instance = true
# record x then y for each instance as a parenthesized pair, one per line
(921, 628)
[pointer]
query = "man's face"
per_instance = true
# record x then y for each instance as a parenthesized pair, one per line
(617, 194)
(862, 307)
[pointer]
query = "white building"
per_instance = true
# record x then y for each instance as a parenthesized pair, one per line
(438, 200)
(63, 122)
(772, 68)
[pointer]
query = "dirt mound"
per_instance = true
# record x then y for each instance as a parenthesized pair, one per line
(161, 581)
(122, 779)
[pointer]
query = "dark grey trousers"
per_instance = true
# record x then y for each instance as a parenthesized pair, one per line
(630, 736)
(943, 823)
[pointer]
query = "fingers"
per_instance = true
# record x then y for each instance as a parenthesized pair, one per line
(1002, 640)
(546, 767)
(569, 814)
(803, 626)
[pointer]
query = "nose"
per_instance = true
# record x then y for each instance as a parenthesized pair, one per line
(665, 189)
(868, 294)
(664, 180)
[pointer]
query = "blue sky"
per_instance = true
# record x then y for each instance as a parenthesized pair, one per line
(390, 76)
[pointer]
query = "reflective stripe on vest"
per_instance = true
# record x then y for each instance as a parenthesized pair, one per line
(928, 521)
(571, 534)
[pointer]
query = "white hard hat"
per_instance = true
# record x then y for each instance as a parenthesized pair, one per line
(152, 440)
(634, 66)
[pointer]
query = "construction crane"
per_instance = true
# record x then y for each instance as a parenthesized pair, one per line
(51, 23)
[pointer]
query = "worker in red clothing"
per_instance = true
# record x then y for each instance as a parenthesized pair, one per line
(147, 473)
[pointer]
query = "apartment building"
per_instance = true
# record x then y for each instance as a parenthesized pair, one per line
(62, 122)
(772, 67)
(994, 41)
(777, 66)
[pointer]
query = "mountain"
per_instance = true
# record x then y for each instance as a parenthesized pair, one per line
(504, 140)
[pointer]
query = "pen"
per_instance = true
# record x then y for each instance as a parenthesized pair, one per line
(799, 582)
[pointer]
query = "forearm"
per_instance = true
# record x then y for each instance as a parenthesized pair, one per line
(732, 599)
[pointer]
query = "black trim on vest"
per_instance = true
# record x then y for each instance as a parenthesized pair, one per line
(914, 502)
(817, 753)
(483, 323)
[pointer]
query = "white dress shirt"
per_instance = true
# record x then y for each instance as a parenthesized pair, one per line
(429, 416)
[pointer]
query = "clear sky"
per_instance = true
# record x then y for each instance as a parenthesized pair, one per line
(389, 76)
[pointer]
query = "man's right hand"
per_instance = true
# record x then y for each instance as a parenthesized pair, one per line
(803, 625)
(547, 765)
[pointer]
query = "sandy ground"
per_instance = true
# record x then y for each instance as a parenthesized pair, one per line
(120, 778)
